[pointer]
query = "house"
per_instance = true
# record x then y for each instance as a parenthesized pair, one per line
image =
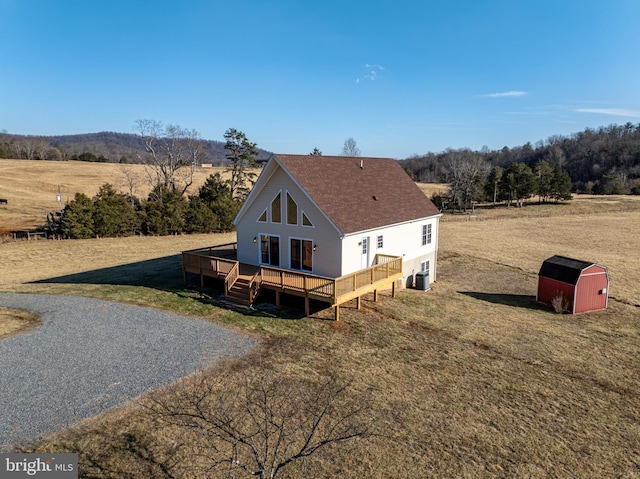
(330, 216)
(581, 285)
(328, 228)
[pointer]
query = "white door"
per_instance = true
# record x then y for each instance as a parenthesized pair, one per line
(365, 252)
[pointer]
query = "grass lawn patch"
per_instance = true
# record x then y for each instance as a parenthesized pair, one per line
(15, 321)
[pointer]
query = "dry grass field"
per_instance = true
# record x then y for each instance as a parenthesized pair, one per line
(470, 379)
(31, 186)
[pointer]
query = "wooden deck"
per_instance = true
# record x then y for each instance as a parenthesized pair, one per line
(243, 282)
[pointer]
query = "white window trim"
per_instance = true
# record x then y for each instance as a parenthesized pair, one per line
(298, 209)
(303, 214)
(312, 253)
(270, 209)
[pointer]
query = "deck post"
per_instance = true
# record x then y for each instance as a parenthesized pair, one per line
(337, 316)
(393, 289)
(375, 295)
(277, 298)
(306, 306)
(358, 303)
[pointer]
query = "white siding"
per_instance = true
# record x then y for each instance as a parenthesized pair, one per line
(400, 240)
(323, 233)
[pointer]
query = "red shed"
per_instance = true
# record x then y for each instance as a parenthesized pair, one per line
(584, 285)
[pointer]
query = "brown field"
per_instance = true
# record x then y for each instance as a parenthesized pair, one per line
(470, 379)
(433, 188)
(31, 186)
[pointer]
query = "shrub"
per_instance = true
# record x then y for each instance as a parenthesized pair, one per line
(560, 303)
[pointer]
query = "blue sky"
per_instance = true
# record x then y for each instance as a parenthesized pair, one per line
(400, 77)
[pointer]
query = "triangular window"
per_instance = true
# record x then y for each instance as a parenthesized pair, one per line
(263, 217)
(305, 220)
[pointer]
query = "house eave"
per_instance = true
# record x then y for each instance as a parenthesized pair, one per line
(392, 225)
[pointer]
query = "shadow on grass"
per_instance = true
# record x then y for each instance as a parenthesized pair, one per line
(516, 300)
(165, 274)
(160, 273)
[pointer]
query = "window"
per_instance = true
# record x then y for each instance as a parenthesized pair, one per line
(263, 217)
(380, 242)
(426, 234)
(301, 254)
(270, 250)
(276, 210)
(305, 220)
(292, 211)
(424, 267)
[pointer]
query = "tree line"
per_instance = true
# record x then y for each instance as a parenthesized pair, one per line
(171, 153)
(473, 179)
(605, 160)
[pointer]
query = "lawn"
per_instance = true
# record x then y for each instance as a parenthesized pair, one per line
(470, 379)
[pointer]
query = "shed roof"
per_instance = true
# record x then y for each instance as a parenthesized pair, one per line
(561, 268)
(359, 194)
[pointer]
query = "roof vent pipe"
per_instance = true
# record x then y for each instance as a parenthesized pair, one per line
(361, 164)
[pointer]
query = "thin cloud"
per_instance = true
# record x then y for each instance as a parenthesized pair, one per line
(610, 111)
(504, 94)
(373, 72)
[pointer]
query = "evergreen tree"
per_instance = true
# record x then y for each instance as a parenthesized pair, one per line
(241, 155)
(216, 196)
(165, 212)
(77, 218)
(560, 185)
(113, 213)
(200, 218)
(545, 174)
(492, 186)
(518, 183)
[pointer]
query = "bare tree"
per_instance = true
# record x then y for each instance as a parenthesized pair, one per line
(350, 148)
(31, 148)
(467, 173)
(172, 153)
(131, 180)
(261, 422)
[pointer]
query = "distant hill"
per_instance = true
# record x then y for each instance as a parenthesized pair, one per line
(105, 146)
(605, 160)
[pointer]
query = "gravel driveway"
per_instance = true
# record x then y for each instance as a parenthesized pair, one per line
(90, 355)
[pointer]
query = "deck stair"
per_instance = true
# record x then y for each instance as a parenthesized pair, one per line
(244, 288)
(239, 292)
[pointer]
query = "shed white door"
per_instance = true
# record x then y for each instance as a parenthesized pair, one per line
(365, 252)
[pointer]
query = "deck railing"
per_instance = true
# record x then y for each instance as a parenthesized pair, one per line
(231, 277)
(388, 267)
(215, 261)
(317, 287)
(333, 290)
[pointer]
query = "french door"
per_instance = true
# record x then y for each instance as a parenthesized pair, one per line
(301, 254)
(270, 250)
